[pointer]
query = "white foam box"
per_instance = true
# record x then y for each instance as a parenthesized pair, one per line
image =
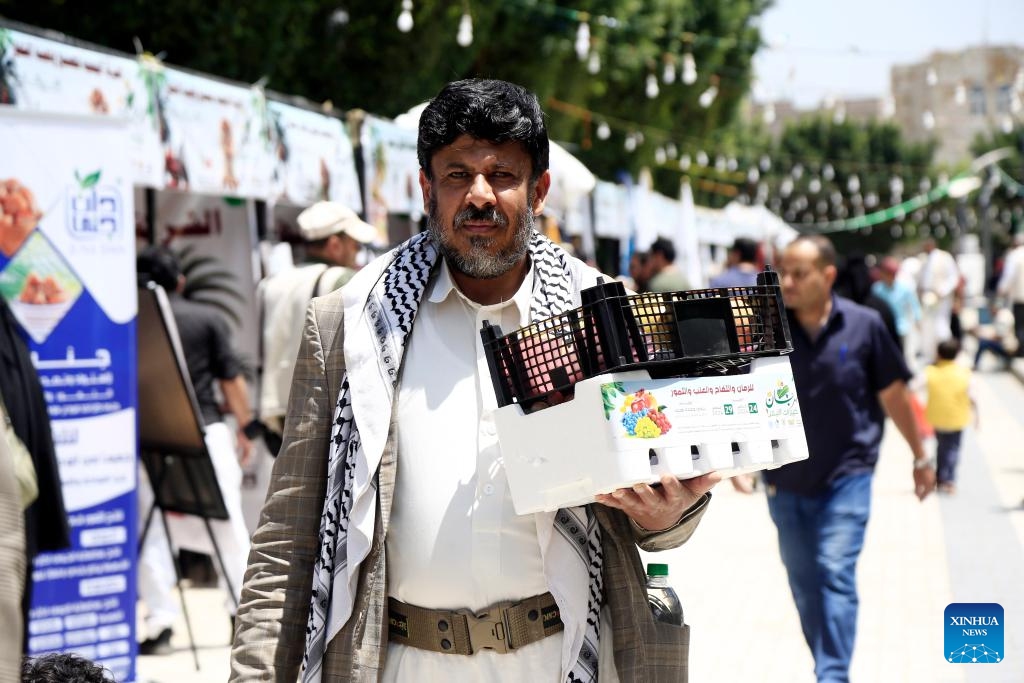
(565, 454)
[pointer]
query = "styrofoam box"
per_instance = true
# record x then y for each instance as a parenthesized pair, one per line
(565, 454)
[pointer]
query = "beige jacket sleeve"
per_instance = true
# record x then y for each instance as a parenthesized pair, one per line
(12, 564)
(271, 624)
(674, 536)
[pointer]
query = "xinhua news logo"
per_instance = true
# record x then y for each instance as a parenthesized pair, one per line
(974, 633)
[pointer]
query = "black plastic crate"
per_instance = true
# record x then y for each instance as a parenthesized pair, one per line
(670, 334)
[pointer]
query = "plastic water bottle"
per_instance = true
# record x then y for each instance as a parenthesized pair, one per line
(661, 598)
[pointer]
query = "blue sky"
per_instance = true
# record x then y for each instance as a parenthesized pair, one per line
(845, 47)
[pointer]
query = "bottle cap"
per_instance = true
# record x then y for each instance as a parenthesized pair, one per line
(657, 569)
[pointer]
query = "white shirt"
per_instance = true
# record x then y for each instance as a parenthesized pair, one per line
(454, 539)
(1011, 283)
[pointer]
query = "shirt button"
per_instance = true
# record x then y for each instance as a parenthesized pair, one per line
(489, 489)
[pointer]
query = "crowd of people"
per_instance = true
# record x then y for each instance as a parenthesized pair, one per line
(359, 570)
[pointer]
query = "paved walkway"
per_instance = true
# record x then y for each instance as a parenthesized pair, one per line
(918, 558)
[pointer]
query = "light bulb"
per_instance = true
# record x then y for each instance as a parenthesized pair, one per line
(960, 94)
(828, 173)
(1006, 124)
(659, 156)
(753, 175)
(769, 114)
(671, 151)
(840, 114)
(582, 40)
(689, 69)
(853, 184)
(629, 143)
(405, 18)
(702, 158)
(465, 35)
(603, 131)
(814, 186)
(668, 74)
(928, 120)
(765, 164)
(708, 96)
(925, 184)
(684, 162)
(652, 86)
(797, 171)
(594, 63)
(930, 77)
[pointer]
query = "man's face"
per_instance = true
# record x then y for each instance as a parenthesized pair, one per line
(806, 284)
(481, 205)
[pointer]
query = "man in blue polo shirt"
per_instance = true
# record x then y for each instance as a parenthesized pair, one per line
(849, 375)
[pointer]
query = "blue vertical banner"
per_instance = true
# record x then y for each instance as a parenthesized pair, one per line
(67, 270)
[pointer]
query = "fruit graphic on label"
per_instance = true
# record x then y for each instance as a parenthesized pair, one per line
(18, 215)
(641, 416)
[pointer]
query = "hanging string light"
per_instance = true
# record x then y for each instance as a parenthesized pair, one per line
(960, 94)
(659, 156)
(928, 120)
(769, 113)
(604, 131)
(594, 63)
(465, 35)
(668, 72)
(709, 95)
(405, 22)
(689, 69)
(684, 162)
(930, 77)
(652, 86)
(583, 38)
(630, 142)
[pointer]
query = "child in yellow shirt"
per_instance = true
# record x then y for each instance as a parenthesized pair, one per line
(948, 409)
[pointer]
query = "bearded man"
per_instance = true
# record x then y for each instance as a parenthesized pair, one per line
(388, 547)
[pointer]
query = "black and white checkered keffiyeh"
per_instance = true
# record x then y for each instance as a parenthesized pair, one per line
(390, 309)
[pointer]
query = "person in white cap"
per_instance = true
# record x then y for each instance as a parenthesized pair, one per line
(333, 235)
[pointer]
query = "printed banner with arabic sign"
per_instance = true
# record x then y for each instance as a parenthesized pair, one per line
(392, 173)
(314, 158)
(49, 76)
(67, 253)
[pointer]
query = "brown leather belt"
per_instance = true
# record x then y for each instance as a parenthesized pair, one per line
(503, 627)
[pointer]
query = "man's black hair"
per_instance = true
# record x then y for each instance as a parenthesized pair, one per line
(746, 249)
(948, 349)
(62, 667)
(664, 247)
(496, 111)
(160, 265)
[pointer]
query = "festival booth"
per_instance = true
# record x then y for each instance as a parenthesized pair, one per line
(103, 153)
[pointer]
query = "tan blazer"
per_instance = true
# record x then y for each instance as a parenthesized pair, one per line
(12, 564)
(274, 608)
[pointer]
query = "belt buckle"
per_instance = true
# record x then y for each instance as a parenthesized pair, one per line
(489, 630)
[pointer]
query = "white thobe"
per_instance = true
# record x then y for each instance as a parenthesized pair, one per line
(454, 539)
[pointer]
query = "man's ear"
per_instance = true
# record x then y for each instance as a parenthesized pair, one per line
(540, 192)
(831, 272)
(425, 191)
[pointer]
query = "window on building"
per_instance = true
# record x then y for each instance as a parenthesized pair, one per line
(1003, 95)
(977, 100)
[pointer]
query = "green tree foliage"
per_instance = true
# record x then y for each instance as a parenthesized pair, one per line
(1001, 200)
(820, 170)
(350, 52)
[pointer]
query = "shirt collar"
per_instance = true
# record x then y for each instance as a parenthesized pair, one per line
(444, 285)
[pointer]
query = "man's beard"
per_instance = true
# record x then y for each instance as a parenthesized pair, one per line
(477, 261)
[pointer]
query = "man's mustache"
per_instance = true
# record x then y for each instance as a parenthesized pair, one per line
(487, 214)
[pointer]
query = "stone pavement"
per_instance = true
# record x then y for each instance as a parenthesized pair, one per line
(918, 558)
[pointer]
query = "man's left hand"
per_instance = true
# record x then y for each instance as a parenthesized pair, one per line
(660, 507)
